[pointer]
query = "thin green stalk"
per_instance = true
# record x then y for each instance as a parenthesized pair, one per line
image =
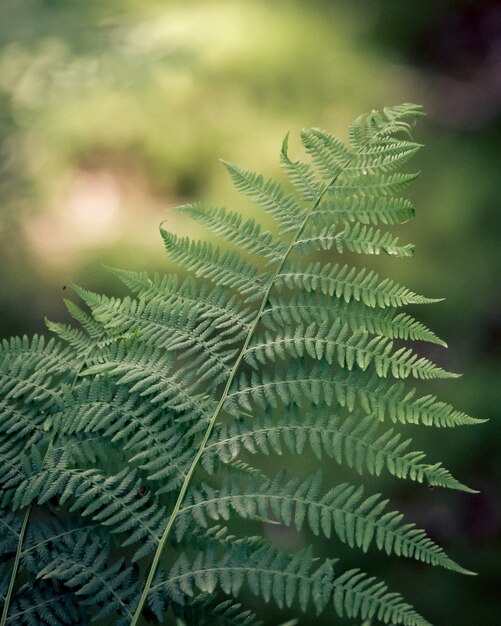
(15, 566)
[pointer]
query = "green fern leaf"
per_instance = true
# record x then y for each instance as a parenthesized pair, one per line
(129, 441)
(333, 342)
(359, 239)
(349, 284)
(357, 520)
(273, 574)
(360, 444)
(314, 307)
(269, 195)
(232, 227)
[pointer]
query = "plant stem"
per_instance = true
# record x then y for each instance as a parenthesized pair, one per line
(15, 566)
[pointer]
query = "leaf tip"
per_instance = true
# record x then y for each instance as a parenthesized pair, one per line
(285, 145)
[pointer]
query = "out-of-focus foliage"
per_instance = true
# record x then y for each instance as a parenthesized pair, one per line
(111, 112)
(114, 111)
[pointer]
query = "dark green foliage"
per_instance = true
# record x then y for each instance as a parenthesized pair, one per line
(130, 442)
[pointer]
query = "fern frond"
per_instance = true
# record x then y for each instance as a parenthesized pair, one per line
(381, 158)
(348, 283)
(177, 330)
(114, 438)
(43, 605)
(222, 268)
(318, 385)
(361, 444)
(223, 309)
(10, 526)
(372, 188)
(367, 208)
(116, 502)
(87, 570)
(204, 610)
(232, 227)
(86, 320)
(274, 574)
(144, 429)
(151, 373)
(78, 340)
(46, 539)
(357, 520)
(29, 367)
(33, 373)
(335, 343)
(269, 194)
(360, 239)
(328, 153)
(375, 128)
(301, 176)
(21, 423)
(315, 307)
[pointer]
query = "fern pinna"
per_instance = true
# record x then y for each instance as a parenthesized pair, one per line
(132, 442)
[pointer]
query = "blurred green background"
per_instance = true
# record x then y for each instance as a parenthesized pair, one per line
(113, 111)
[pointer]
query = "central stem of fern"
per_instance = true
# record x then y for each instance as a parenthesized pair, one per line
(212, 421)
